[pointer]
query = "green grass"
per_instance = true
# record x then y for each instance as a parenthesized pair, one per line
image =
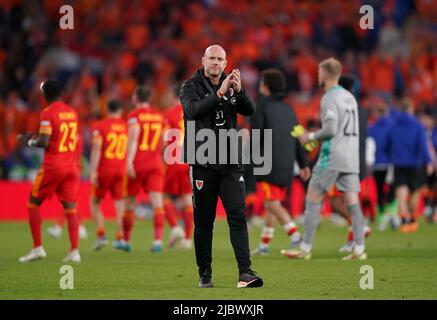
(405, 267)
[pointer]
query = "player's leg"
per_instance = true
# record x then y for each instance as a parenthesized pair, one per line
(267, 234)
(99, 220)
(187, 215)
(275, 207)
(44, 186)
(176, 232)
(418, 189)
(119, 209)
(320, 182)
(174, 184)
(35, 222)
(118, 189)
(68, 193)
(339, 205)
(70, 211)
(154, 184)
(157, 202)
(128, 221)
(132, 188)
(350, 185)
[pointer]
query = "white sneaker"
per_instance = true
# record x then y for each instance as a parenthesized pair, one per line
(176, 234)
(73, 256)
(100, 243)
(186, 244)
(355, 256)
(260, 251)
(83, 234)
(296, 254)
(55, 231)
(347, 247)
(34, 254)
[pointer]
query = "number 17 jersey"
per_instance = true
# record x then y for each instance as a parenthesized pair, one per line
(151, 123)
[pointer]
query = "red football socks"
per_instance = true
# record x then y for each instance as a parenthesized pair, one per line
(158, 223)
(128, 221)
(73, 227)
(188, 221)
(35, 224)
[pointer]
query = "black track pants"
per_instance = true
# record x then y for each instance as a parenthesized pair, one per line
(208, 184)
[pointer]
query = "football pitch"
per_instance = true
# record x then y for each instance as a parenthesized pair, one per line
(404, 267)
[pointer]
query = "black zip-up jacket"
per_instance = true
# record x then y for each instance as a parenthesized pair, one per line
(201, 104)
(273, 113)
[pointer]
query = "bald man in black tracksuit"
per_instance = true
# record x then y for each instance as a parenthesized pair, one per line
(211, 100)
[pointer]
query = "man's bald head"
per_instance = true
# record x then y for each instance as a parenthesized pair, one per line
(214, 61)
(214, 49)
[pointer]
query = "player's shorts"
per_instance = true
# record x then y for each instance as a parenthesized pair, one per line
(272, 191)
(334, 192)
(177, 180)
(114, 182)
(62, 181)
(150, 180)
(322, 180)
(412, 177)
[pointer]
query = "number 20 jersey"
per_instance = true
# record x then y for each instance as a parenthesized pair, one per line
(60, 121)
(112, 133)
(151, 123)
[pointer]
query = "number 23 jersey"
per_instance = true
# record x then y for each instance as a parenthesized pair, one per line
(60, 121)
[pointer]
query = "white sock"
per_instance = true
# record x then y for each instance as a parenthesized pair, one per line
(359, 249)
(289, 226)
(306, 247)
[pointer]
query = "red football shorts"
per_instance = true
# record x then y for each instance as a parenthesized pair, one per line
(149, 180)
(273, 192)
(114, 182)
(62, 181)
(177, 180)
(334, 192)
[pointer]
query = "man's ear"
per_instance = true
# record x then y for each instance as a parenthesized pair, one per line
(203, 61)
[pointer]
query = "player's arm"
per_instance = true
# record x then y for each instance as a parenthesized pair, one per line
(329, 122)
(41, 141)
(44, 133)
(96, 152)
(132, 145)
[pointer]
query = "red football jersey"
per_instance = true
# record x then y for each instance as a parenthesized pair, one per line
(112, 132)
(60, 121)
(149, 150)
(175, 120)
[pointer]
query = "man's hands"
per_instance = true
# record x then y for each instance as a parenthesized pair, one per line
(24, 137)
(305, 173)
(234, 78)
(300, 133)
